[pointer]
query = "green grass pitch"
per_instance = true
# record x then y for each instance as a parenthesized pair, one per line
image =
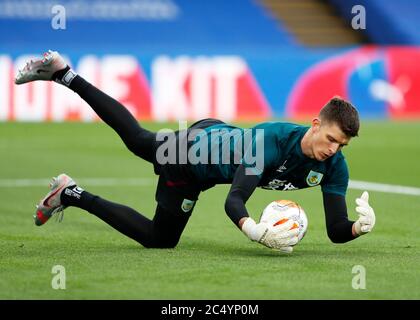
(213, 260)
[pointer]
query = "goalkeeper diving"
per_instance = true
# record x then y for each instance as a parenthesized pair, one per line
(272, 155)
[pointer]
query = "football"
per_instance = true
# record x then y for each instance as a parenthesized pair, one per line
(278, 212)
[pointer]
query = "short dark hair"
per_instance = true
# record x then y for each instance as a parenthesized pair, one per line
(342, 113)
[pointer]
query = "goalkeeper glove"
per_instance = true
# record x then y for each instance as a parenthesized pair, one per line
(278, 237)
(367, 218)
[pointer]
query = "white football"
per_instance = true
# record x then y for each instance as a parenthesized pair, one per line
(278, 212)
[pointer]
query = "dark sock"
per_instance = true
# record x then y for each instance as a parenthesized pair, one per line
(120, 217)
(81, 86)
(163, 231)
(64, 76)
(77, 197)
(140, 141)
(58, 75)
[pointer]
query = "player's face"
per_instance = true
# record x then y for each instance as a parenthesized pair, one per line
(328, 139)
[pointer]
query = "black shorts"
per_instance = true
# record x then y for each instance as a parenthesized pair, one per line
(177, 189)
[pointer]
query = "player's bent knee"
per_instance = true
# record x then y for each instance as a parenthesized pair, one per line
(161, 243)
(142, 144)
(164, 245)
(167, 243)
(133, 145)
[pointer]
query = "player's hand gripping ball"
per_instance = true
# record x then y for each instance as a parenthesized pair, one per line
(278, 212)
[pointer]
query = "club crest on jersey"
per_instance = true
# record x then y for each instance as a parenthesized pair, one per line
(187, 205)
(314, 178)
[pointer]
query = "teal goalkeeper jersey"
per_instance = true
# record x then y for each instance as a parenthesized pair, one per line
(270, 150)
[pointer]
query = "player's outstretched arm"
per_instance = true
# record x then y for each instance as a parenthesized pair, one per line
(339, 228)
(243, 186)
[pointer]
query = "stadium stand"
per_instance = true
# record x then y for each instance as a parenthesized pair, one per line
(388, 22)
(233, 60)
(315, 23)
(147, 24)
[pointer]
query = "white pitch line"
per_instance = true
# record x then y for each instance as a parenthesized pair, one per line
(105, 182)
(381, 187)
(110, 182)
